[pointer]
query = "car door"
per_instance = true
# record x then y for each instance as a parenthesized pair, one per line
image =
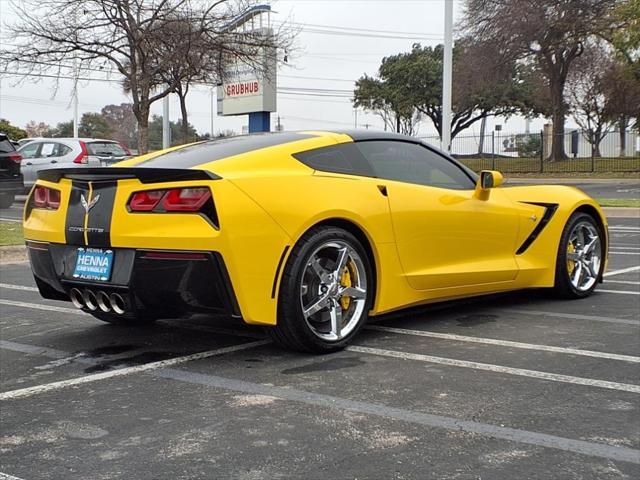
(49, 156)
(29, 154)
(445, 235)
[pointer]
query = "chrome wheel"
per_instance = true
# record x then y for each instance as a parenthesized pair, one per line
(333, 290)
(584, 256)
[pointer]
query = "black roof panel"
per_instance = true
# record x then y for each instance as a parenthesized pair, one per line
(205, 152)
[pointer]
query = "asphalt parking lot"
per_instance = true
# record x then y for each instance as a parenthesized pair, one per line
(503, 387)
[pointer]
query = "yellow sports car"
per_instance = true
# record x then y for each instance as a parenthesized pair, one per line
(306, 232)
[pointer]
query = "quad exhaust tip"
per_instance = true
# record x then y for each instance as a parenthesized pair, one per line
(101, 300)
(90, 300)
(117, 303)
(76, 298)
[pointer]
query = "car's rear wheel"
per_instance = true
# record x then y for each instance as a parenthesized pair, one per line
(580, 257)
(325, 293)
(6, 199)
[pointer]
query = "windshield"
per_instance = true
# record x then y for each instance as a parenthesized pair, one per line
(102, 149)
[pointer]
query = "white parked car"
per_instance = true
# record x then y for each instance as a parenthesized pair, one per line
(45, 153)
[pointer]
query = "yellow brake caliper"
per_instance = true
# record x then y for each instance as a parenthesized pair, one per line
(345, 281)
(571, 264)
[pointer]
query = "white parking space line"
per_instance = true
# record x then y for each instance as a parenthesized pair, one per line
(622, 292)
(16, 220)
(572, 316)
(554, 377)
(18, 287)
(33, 350)
(626, 282)
(526, 437)
(39, 306)
(623, 253)
(621, 271)
(506, 343)
(4, 476)
(616, 247)
(30, 391)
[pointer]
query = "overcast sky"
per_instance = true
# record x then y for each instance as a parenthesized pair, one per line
(328, 61)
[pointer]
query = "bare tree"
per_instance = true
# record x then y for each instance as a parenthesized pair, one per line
(199, 62)
(37, 129)
(127, 36)
(587, 88)
(550, 33)
(623, 100)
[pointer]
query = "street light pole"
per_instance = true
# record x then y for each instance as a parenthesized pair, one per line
(166, 127)
(447, 75)
(75, 100)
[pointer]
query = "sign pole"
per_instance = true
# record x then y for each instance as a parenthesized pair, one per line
(447, 75)
(166, 127)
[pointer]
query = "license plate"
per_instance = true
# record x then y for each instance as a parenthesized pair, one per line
(93, 264)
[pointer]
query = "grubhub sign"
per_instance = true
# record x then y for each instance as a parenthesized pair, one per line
(246, 90)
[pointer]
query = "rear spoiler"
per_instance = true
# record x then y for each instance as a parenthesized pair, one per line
(144, 174)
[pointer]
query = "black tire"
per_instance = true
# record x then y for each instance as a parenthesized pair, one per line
(564, 287)
(292, 331)
(123, 320)
(7, 199)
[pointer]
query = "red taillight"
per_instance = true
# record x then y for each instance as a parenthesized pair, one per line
(185, 199)
(15, 157)
(145, 201)
(44, 197)
(83, 156)
(174, 200)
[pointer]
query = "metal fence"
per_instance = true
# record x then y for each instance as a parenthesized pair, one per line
(530, 152)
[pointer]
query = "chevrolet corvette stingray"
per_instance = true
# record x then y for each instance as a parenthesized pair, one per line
(308, 233)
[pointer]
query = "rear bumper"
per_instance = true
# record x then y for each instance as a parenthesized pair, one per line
(152, 283)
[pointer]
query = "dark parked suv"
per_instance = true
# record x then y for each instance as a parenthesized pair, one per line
(10, 176)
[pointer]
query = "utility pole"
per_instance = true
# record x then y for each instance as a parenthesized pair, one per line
(166, 126)
(355, 111)
(447, 75)
(213, 111)
(75, 100)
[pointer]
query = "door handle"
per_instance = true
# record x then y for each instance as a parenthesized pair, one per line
(383, 189)
(29, 163)
(54, 161)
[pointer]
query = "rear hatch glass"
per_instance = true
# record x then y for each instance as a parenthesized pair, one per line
(6, 146)
(106, 149)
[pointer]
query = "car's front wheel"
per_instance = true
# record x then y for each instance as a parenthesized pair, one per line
(580, 257)
(326, 292)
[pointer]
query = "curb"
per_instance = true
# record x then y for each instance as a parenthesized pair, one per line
(13, 254)
(621, 212)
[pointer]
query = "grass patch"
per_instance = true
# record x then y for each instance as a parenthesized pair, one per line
(11, 233)
(573, 166)
(619, 202)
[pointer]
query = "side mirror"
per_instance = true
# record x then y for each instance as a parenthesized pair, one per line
(488, 179)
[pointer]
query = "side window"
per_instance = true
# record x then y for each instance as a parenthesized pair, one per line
(6, 146)
(342, 158)
(49, 150)
(413, 163)
(63, 150)
(30, 150)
